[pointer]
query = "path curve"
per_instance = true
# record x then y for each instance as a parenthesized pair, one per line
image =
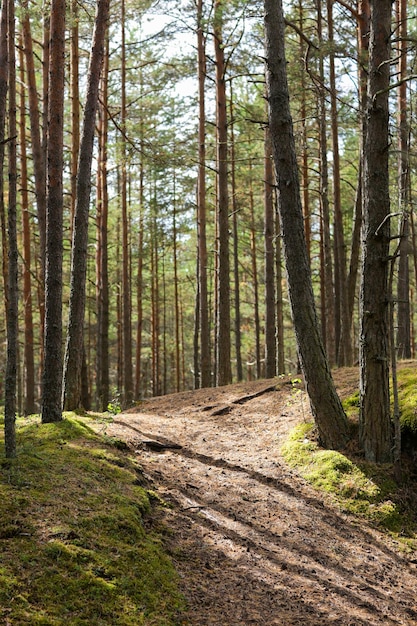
(252, 542)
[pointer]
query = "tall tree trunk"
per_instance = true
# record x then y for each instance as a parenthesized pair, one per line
(224, 370)
(328, 308)
(235, 231)
(255, 282)
(269, 237)
(75, 107)
(375, 423)
(103, 375)
(52, 373)
(4, 82)
(29, 359)
(344, 343)
(75, 333)
(127, 305)
(38, 154)
(140, 282)
(205, 360)
(325, 404)
(13, 255)
(279, 297)
(176, 292)
(403, 284)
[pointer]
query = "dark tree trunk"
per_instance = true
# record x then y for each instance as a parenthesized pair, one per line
(223, 370)
(12, 300)
(375, 424)
(52, 373)
(4, 82)
(75, 334)
(325, 404)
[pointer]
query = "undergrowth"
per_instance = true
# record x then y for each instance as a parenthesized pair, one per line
(363, 489)
(73, 545)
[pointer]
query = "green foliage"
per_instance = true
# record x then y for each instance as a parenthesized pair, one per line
(74, 546)
(407, 396)
(363, 489)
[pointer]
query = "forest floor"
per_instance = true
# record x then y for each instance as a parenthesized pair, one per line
(253, 543)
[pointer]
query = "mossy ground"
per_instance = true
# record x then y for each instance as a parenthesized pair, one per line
(366, 490)
(73, 545)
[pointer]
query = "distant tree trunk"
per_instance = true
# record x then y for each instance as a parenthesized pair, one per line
(140, 282)
(155, 321)
(75, 106)
(375, 423)
(205, 360)
(328, 295)
(326, 407)
(75, 333)
(127, 305)
(38, 154)
(29, 395)
(279, 297)
(304, 142)
(403, 285)
(344, 343)
(13, 255)
(254, 264)
(269, 237)
(235, 231)
(52, 373)
(224, 370)
(103, 376)
(4, 82)
(176, 291)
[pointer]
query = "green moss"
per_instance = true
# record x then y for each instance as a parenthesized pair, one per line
(363, 489)
(407, 396)
(74, 546)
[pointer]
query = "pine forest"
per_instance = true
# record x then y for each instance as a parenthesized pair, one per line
(149, 241)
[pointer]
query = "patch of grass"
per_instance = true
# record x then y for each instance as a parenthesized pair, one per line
(362, 489)
(73, 545)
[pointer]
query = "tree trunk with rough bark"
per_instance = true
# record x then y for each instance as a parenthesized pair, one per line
(75, 333)
(326, 407)
(52, 373)
(375, 426)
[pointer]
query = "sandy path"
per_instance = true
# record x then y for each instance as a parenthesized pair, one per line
(252, 542)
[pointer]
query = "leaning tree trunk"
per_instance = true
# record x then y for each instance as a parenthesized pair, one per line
(326, 407)
(375, 423)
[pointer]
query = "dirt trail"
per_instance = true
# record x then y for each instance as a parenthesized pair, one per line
(253, 543)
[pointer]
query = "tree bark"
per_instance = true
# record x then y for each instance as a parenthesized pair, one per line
(75, 333)
(375, 424)
(29, 359)
(269, 237)
(10, 404)
(126, 299)
(326, 407)
(223, 369)
(102, 279)
(403, 283)
(205, 358)
(52, 373)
